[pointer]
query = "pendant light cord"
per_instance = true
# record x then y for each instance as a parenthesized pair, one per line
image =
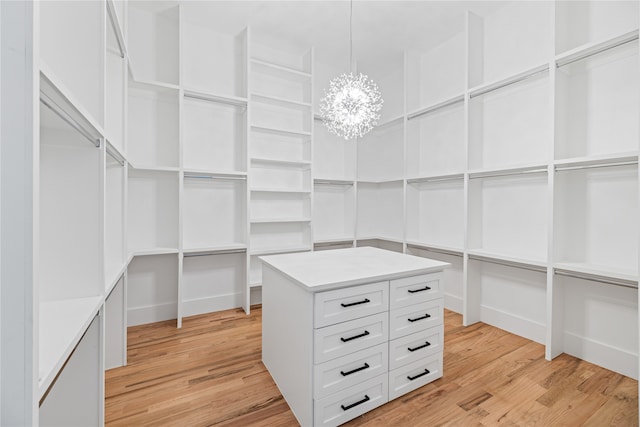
(351, 35)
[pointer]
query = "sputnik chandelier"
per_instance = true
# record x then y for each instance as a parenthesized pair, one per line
(351, 105)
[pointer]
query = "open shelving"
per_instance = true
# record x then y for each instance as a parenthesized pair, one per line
(213, 134)
(152, 126)
(333, 211)
(152, 289)
(153, 41)
(114, 217)
(381, 153)
(379, 205)
(152, 218)
(596, 107)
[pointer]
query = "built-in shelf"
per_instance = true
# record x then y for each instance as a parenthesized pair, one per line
(594, 48)
(447, 250)
(154, 251)
(278, 190)
(280, 130)
(279, 162)
(512, 170)
(213, 97)
(598, 273)
(62, 324)
(215, 250)
(285, 102)
(483, 255)
(280, 250)
(279, 220)
(261, 65)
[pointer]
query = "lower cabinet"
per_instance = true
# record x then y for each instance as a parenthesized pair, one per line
(338, 353)
(361, 363)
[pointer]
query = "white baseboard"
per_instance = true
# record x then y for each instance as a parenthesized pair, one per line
(210, 304)
(526, 328)
(453, 303)
(150, 314)
(598, 353)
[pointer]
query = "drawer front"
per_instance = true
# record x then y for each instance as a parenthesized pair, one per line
(341, 305)
(348, 337)
(411, 348)
(414, 375)
(351, 402)
(349, 370)
(414, 290)
(414, 318)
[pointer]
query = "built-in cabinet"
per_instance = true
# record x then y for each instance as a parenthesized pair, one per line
(169, 156)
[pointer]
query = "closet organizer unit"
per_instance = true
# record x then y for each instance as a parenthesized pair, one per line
(280, 154)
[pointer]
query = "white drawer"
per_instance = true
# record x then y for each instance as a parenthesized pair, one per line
(416, 289)
(349, 370)
(340, 305)
(411, 348)
(347, 404)
(414, 375)
(344, 338)
(414, 318)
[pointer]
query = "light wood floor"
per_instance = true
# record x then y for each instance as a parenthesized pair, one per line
(210, 373)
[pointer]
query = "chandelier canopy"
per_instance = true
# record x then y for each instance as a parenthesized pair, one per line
(352, 103)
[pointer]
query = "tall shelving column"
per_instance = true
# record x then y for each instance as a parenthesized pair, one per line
(595, 167)
(153, 154)
(213, 123)
(280, 154)
(435, 159)
(380, 165)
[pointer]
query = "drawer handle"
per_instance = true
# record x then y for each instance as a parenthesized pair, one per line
(344, 374)
(364, 301)
(364, 334)
(353, 405)
(426, 344)
(413, 291)
(426, 316)
(410, 378)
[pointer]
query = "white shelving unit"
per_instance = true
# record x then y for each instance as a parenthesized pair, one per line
(280, 156)
(167, 156)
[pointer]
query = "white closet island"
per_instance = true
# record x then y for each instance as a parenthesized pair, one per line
(347, 330)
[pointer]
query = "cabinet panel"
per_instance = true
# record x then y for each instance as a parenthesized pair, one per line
(152, 289)
(415, 290)
(412, 376)
(345, 338)
(352, 402)
(343, 372)
(350, 303)
(412, 348)
(415, 318)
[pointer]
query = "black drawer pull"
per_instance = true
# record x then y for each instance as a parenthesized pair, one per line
(353, 405)
(410, 378)
(413, 291)
(364, 301)
(426, 316)
(344, 374)
(364, 334)
(426, 344)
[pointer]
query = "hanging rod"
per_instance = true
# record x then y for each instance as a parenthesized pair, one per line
(331, 182)
(628, 38)
(436, 107)
(507, 173)
(114, 154)
(595, 278)
(436, 179)
(216, 98)
(114, 24)
(515, 264)
(220, 177)
(59, 111)
(436, 250)
(214, 252)
(333, 243)
(527, 75)
(560, 168)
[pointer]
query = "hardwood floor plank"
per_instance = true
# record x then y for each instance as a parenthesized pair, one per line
(210, 373)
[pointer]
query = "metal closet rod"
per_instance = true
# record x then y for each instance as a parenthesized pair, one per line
(114, 154)
(599, 279)
(508, 173)
(214, 252)
(491, 88)
(216, 99)
(59, 111)
(436, 179)
(514, 264)
(329, 182)
(113, 19)
(560, 168)
(562, 63)
(436, 250)
(220, 177)
(436, 107)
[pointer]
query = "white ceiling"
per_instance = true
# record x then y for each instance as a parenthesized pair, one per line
(382, 30)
